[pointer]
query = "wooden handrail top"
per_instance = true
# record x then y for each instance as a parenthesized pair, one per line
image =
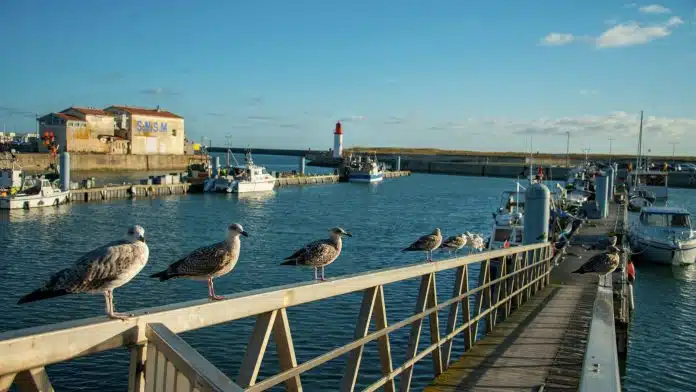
(39, 346)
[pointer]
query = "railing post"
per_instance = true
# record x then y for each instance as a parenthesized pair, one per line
(453, 312)
(435, 330)
(466, 311)
(136, 368)
(484, 278)
(350, 375)
(416, 327)
(33, 380)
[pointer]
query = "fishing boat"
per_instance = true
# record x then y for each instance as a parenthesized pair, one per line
(663, 235)
(242, 179)
(34, 193)
(367, 170)
(508, 220)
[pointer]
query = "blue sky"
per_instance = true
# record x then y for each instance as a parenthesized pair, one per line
(478, 75)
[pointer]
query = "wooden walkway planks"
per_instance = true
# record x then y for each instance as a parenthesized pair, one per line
(543, 342)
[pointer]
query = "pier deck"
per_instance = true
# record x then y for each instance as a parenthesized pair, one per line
(542, 345)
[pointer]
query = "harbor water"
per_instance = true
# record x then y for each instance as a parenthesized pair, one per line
(383, 218)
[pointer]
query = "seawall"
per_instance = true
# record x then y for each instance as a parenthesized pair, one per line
(87, 161)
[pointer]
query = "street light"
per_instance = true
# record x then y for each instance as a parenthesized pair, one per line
(674, 146)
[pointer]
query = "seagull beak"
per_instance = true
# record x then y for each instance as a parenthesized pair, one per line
(245, 234)
(347, 233)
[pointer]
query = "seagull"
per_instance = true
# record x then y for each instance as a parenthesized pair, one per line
(603, 263)
(208, 262)
(427, 244)
(100, 271)
(319, 253)
(454, 243)
(475, 242)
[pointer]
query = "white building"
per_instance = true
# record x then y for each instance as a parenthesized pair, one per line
(150, 131)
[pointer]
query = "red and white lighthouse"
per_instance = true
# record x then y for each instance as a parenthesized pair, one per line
(338, 141)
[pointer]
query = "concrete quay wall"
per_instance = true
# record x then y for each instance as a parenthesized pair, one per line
(87, 161)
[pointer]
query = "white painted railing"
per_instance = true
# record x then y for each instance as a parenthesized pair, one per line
(161, 361)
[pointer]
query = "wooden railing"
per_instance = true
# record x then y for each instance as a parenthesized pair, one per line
(507, 278)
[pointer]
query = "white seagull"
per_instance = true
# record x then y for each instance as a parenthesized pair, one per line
(99, 271)
(208, 262)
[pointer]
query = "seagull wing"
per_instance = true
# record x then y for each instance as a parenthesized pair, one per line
(423, 243)
(205, 260)
(95, 269)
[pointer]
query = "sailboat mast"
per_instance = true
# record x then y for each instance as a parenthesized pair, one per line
(640, 148)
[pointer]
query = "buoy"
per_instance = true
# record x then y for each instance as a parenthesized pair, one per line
(631, 270)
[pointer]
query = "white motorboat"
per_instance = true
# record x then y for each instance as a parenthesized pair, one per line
(508, 220)
(34, 193)
(663, 235)
(247, 178)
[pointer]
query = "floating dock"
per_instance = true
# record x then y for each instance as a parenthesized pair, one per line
(113, 192)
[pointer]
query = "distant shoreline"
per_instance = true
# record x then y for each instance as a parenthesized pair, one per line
(511, 154)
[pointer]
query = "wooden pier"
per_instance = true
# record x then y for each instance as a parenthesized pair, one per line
(544, 345)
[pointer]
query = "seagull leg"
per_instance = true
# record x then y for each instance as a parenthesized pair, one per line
(316, 275)
(110, 311)
(322, 273)
(212, 291)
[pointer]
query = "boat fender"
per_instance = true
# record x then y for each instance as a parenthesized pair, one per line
(631, 270)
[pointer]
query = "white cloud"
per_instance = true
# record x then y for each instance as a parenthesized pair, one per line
(623, 34)
(654, 9)
(629, 34)
(589, 92)
(617, 123)
(557, 39)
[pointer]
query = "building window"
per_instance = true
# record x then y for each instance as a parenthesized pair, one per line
(173, 132)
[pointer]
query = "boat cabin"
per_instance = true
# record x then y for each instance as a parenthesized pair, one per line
(512, 201)
(665, 217)
(652, 181)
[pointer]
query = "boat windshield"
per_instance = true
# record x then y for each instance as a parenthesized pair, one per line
(666, 220)
(512, 198)
(652, 180)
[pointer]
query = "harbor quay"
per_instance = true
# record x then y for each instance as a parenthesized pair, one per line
(517, 318)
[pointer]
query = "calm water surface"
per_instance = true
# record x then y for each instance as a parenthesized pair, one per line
(383, 219)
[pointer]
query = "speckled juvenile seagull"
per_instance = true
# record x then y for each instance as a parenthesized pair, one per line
(454, 243)
(319, 254)
(475, 242)
(208, 262)
(427, 244)
(603, 263)
(99, 271)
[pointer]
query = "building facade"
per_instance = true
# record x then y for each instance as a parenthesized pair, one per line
(150, 131)
(115, 130)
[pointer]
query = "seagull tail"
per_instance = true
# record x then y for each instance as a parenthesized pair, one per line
(163, 275)
(289, 262)
(581, 270)
(40, 294)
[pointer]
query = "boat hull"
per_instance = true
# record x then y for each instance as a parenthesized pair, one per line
(366, 177)
(261, 186)
(34, 201)
(659, 253)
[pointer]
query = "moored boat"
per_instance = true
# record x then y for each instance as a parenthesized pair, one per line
(663, 235)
